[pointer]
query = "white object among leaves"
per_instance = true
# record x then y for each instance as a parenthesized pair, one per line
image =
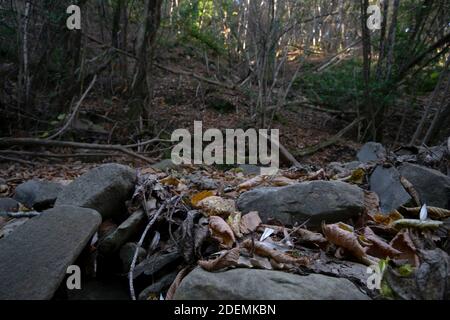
(423, 212)
(267, 233)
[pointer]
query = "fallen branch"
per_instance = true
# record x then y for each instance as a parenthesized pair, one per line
(139, 245)
(59, 156)
(18, 160)
(75, 111)
(18, 215)
(70, 144)
(331, 141)
(196, 76)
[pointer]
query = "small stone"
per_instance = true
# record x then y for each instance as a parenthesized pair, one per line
(38, 194)
(127, 253)
(124, 232)
(9, 205)
(371, 151)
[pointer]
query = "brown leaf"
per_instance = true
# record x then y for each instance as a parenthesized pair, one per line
(234, 221)
(403, 243)
(250, 222)
(251, 183)
(228, 259)
(170, 181)
(433, 212)
(309, 236)
(371, 203)
(176, 283)
(345, 239)
(222, 232)
(260, 249)
(411, 190)
(217, 206)
(196, 198)
(281, 181)
(379, 248)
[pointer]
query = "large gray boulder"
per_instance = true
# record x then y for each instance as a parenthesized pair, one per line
(385, 182)
(38, 194)
(329, 201)
(105, 189)
(433, 186)
(371, 151)
(251, 284)
(35, 257)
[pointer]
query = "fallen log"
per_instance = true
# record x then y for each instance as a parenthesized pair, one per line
(70, 144)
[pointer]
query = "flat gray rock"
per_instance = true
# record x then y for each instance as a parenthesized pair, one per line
(38, 194)
(8, 205)
(251, 284)
(432, 185)
(385, 182)
(371, 151)
(127, 229)
(329, 201)
(35, 257)
(105, 189)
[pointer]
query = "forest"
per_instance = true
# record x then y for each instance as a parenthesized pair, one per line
(96, 94)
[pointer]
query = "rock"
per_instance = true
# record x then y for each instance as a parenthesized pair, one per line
(129, 228)
(385, 182)
(202, 182)
(93, 289)
(330, 201)
(8, 205)
(371, 151)
(105, 189)
(250, 169)
(158, 286)
(251, 284)
(343, 169)
(10, 226)
(433, 186)
(34, 258)
(127, 253)
(164, 165)
(38, 194)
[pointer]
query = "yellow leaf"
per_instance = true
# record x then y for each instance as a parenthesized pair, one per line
(170, 181)
(196, 198)
(357, 176)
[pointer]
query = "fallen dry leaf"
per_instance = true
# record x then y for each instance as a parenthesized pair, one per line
(196, 198)
(227, 259)
(309, 236)
(378, 247)
(261, 249)
(222, 232)
(234, 221)
(170, 181)
(345, 239)
(250, 222)
(281, 181)
(403, 243)
(215, 205)
(433, 212)
(371, 203)
(251, 183)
